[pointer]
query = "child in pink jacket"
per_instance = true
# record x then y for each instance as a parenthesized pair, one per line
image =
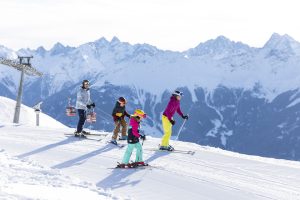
(134, 142)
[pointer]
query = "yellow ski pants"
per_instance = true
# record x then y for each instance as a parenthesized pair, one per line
(167, 126)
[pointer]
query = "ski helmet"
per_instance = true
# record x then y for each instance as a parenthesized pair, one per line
(139, 113)
(85, 81)
(177, 93)
(122, 100)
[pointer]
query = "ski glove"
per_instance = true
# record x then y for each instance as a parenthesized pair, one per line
(127, 115)
(89, 106)
(143, 137)
(172, 121)
(185, 117)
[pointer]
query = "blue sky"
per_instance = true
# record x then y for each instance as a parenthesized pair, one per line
(174, 25)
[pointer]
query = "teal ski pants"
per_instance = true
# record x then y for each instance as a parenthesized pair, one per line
(129, 150)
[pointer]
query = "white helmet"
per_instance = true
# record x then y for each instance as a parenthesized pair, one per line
(177, 93)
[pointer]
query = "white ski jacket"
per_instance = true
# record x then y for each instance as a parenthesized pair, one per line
(83, 99)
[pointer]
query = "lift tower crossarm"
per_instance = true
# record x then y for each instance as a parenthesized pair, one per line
(17, 65)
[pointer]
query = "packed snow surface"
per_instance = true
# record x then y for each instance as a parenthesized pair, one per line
(47, 163)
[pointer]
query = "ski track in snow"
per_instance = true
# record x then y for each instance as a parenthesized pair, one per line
(208, 174)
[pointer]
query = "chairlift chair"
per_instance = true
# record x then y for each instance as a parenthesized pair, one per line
(70, 110)
(91, 116)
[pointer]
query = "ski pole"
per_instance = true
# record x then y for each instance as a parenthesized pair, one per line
(143, 139)
(179, 131)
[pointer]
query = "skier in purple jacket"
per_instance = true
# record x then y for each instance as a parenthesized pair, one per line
(168, 121)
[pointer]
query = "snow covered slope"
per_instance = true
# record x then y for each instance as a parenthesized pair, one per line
(208, 174)
(27, 115)
(21, 179)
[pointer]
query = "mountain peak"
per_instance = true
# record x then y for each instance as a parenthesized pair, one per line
(6, 52)
(145, 49)
(58, 45)
(41, 49)
(224, 42)
(278, 40)
(102, 41)
(115, 41)
(220, 47)
(281, 46)
(59, 48)
(222, 39)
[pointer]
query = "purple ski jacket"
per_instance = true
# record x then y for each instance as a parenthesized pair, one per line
(172, 107)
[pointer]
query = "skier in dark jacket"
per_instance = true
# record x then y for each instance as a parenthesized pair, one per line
(83, 102)
(118, 114)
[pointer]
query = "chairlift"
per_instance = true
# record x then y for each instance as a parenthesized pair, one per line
(91, 116)
(70, 110)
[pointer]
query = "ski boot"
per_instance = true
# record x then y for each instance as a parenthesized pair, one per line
(139, 164)
(85, 133)
(166, 148)
(121, 166)
(79, 134)
(124, 137)
(113, 141)
(124, 166)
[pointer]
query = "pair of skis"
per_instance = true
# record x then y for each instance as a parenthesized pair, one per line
(132, 165)
(117, 144)
(86, 136)
(189, 152)
(137, 167)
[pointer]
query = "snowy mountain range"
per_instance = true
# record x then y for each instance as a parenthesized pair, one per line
(239, 98)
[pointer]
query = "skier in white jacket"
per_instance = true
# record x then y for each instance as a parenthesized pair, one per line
(83, 103)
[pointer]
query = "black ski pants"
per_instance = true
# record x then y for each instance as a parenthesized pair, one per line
(81, 121)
